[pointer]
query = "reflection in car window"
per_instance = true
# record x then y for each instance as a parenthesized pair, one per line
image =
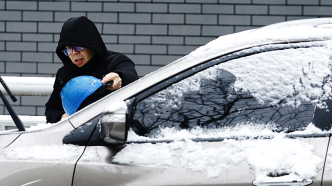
(279, 87)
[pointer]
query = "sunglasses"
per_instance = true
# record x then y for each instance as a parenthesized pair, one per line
(69, 51)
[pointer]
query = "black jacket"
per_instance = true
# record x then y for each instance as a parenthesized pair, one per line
(81, 31)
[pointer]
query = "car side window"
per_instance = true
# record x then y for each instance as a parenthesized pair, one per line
(280, 88)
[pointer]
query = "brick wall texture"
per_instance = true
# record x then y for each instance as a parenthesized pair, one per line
(152, 33)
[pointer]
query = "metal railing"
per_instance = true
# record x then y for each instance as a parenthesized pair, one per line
(6, 122)
(26, 86)
(29, 86)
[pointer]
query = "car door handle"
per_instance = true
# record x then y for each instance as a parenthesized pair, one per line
(298, 182)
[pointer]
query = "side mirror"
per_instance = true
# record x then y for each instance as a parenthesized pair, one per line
(113, 123)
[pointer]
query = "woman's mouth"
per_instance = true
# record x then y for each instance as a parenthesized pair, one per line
(79, 60)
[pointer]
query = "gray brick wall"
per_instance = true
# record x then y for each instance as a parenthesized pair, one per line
(151, 32)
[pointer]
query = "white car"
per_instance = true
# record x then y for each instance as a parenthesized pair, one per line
(250, 108)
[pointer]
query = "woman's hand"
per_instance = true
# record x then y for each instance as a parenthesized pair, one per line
(64, 116)
(117, 81)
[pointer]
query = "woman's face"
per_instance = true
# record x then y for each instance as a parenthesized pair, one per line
(80, 58)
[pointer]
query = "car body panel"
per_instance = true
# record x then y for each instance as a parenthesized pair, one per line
(105, 172)
(320, 147)
(40, 158)
(6, 139)
(102, 171)
(50, 136)
(16, 172)
(328, 167)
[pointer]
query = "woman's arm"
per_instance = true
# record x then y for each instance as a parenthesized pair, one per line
(121, 70)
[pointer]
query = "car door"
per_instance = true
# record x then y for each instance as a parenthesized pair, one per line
(249, 117)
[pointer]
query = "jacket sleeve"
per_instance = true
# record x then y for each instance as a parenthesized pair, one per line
(123, 66)
(54, 109)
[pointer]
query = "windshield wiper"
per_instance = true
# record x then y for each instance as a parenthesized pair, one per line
(12, 113)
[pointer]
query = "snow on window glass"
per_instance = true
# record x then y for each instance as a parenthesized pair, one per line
(291, 76)
(280, 88)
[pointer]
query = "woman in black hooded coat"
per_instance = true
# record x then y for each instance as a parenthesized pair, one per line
(104, 64)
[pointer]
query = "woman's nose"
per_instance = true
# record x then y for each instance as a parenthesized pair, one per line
(74, 51)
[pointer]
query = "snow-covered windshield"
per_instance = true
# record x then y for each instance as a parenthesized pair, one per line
(279, 89)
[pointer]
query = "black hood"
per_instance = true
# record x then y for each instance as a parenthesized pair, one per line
(80, 31)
